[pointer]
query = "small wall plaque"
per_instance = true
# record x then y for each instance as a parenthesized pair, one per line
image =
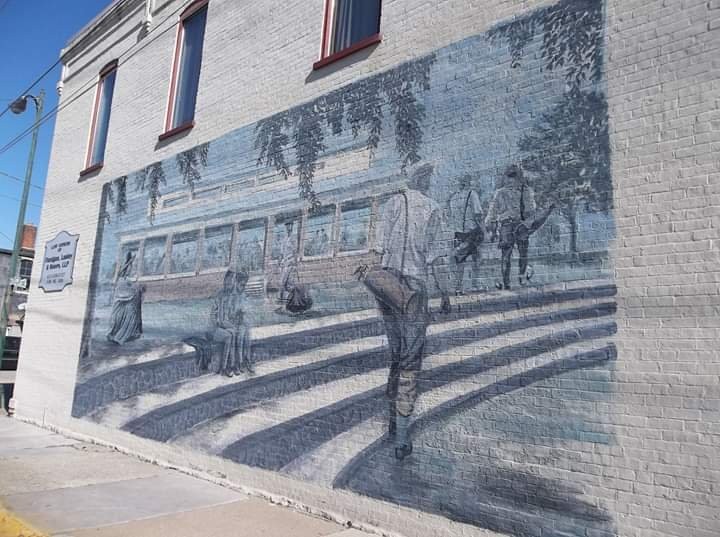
(58, 262)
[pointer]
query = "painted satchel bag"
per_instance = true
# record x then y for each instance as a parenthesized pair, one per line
(390, 286)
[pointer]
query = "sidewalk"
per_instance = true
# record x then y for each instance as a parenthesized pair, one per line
(55, 486)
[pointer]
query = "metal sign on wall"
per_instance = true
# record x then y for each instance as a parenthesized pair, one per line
(58, 262)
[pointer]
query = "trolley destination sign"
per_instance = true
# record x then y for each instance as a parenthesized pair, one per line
(58, 262)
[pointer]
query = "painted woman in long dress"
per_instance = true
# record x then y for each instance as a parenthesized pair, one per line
(126, 316)
(231, 328)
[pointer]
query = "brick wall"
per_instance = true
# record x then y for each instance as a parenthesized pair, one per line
(585, 404)
(28, 237)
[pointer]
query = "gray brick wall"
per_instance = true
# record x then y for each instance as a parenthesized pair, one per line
(646, 455)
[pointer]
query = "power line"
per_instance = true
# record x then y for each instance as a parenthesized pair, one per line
(16, 178)
(31, 86)
(16, 199)
(90, 83)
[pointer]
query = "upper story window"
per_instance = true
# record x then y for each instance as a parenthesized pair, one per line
(349, 26)
(26, 268)
(101, 117)
(186, 67)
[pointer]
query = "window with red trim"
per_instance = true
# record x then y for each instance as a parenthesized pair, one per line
(101, 116)
(349, 25)
(186, 66)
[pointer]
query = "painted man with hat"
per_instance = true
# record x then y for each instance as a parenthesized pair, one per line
(512, 215)
(410, 243)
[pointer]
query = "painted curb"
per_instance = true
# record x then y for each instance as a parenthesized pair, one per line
(13, 526)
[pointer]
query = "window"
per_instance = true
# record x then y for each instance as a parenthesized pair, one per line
(25, 268)
(251, 246)
(355, 226)
(154, 256)
(349, 26)
(101, 117)
(216, 247)
(128, 259)
(186, 67)
(183, 256)
(286, 236)
(318, 232)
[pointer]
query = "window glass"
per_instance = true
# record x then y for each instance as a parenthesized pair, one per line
(208, 193)
(102, 119)
(175, 202)
(354, 21)
(188, 74)
(251, 247)
(183, 256)
(354, 226)
(216, 247)
(154, 256)
(318, 235)
(286, 237)
(25, 268)
(129, 259)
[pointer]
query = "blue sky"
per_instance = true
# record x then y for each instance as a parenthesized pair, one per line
(31, 36)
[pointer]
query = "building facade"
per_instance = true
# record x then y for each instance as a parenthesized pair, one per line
(16, 308)
(435, 268)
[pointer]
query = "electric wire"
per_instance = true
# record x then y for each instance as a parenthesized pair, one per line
(5, 175)
(17, 199)
(84, 88)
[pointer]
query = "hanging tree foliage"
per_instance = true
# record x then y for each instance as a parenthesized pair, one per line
(572, 38)
(120, 185)
(150, 179)
(360, 104)
(188, 163)
(115, 194)
(568, 151)
(568, 148)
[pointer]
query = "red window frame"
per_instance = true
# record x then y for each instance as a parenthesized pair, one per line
(326, 57)
(104, 72)
(170, 131)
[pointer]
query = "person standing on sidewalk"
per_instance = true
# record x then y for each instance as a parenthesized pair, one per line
(409, 242)
(511, 209)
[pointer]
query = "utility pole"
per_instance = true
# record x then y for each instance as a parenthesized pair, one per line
(18, 107)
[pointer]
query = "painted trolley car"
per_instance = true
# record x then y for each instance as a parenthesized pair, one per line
(188, 259)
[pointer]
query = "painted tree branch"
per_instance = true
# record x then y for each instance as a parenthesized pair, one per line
(572, 38)
(188, 163)
(149, 179)
(362, 106)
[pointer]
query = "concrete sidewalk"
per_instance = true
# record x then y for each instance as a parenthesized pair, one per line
(55, 486)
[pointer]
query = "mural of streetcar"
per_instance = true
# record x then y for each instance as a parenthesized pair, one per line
(188, 260)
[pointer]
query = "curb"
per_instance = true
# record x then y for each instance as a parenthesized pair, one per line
(13, 526)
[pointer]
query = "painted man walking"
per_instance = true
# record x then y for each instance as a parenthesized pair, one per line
(465, 216)
(512, 210)
(288, 262)
(409, 242)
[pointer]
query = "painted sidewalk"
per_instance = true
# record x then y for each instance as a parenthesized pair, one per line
(55, 486)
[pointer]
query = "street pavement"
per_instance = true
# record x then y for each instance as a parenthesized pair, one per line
(55, 486)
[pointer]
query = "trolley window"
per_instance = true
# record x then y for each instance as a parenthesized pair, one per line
(251, 246)
(355, 226)
(154, 256)
(286, 236)
(216, 247)
(183, 256)
(129, 259)
(319, 231)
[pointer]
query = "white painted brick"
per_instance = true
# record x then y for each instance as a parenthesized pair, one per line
(661, 476)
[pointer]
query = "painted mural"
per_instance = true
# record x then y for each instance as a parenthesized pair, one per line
(400, 289)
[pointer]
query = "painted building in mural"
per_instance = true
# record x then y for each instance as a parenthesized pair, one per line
(390, 276)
